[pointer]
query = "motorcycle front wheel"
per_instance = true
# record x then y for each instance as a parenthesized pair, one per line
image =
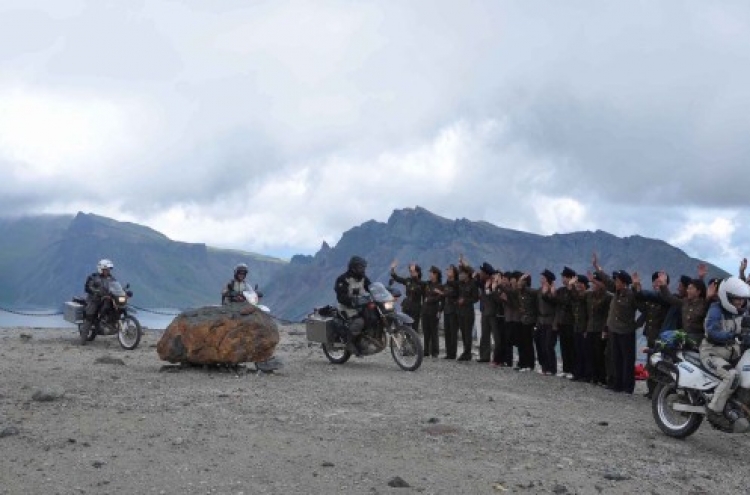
(406, 348)
(676, 424)
(130, 333)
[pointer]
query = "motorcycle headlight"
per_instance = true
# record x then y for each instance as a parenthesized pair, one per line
(122, 299)
(388, 305)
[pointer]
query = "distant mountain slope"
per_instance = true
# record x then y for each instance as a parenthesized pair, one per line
(419, 235)
(45, 260)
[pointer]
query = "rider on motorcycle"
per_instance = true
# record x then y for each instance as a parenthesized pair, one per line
(349, 286)
(719, 351)
(232, 292)
(95, 284)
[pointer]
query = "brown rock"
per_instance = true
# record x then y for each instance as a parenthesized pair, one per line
(229, 334)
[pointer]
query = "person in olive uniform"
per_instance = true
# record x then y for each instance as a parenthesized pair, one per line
(527, 304)
(512, 311)
(598, 304)
(431, 309)
(654, 309)
(564, 321)
(578, 296)
(450, 311)
(414, 288)
(468, 295)
(693, 307)
(621, 324)
(547, 338)
(503, 356)
(488, 303)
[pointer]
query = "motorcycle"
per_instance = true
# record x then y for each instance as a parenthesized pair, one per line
(685, 387)
(384, 327)
(113, 318)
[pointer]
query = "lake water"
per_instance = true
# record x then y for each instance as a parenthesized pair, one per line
(35, 318)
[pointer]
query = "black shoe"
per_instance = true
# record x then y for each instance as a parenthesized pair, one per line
(718, 420)
(483, 360)
(464, 357)
(648, 394)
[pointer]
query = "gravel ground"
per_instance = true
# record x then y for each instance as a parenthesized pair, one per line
(132, 425)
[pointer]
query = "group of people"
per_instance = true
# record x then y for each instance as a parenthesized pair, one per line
(594, 317)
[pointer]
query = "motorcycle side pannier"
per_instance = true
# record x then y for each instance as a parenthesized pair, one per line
(73, 312)
(320, 329)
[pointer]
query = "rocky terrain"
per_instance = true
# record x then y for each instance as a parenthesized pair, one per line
(97, 419)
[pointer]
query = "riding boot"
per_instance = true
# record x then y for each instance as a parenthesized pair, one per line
(351, 346)
(84, 330)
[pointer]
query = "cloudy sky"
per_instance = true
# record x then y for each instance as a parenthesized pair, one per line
(272, 126)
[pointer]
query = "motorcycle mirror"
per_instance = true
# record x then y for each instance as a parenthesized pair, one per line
(256, 287)
(127, 286)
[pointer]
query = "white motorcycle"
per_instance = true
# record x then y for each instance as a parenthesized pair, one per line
(685, 388)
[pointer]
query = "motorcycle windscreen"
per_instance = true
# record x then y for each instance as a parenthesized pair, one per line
(380, 293)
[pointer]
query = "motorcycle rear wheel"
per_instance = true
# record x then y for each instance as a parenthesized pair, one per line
(673, 423)
(406, 348)
(336, 356)
(130, 333)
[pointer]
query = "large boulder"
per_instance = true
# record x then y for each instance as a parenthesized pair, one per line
(231, 334)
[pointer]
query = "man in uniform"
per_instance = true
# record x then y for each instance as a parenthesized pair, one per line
(468, 295)
(564, 322)
(414, 288)
(488, 303)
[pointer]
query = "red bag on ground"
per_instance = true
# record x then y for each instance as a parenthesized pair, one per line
(640, 372)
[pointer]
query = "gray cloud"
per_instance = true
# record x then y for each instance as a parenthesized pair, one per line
(274, 126)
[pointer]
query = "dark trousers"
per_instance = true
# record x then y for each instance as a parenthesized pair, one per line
(609, 361)
(415, 314)
(623, 352)
(489, 332)
(550, 353)
(650, 382)
(450, 327)
(583, 369)
(430, 322)
(598, 348)
(540, 344)
(567, 347)
(526, 346)
(466, 325)
(504, 355)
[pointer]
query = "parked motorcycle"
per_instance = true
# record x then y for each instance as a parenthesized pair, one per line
(685, 387)
(114, 316)
(384, 327)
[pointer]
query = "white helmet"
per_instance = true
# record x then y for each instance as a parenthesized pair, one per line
(104, 264)
(732, 288)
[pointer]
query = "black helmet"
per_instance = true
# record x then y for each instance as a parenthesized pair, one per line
(357, 265)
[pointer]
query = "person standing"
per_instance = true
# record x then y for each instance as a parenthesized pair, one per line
(564, 321)
(527, 304)
(654, 310)
(414, 288)
(598, 302)
(450, 311)
(546, 354)
(621, 323)
(488, 308)
(431, 309)
(577, 291)
(468, 295)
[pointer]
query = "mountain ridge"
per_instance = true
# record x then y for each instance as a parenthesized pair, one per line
(44, 260)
